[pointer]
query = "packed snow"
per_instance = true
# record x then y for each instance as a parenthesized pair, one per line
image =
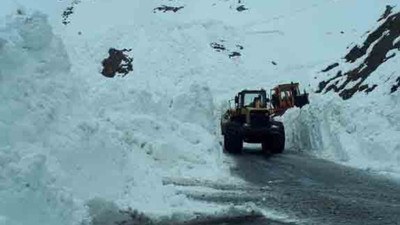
(360, 133)
(73, 141)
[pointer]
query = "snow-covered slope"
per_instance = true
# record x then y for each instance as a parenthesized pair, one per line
(69, 135)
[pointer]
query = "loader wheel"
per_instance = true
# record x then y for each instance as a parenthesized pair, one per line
(265, 146)
(276, 140)
(233, 144)
(277, 143)
(233, 140)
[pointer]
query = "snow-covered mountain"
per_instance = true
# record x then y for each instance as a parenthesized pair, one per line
(363, 60)
(358, 126)
(69, 135)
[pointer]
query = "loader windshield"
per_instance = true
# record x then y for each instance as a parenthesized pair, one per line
(253, 99)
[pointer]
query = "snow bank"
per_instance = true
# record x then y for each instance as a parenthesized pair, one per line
(67, 137)
(33, 71)
(361, 132)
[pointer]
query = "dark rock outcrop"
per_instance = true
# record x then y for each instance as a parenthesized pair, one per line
(165, 8)
(220, 47)
(69, 11)
(241, 8)
(330, 67)
(396, 86)
(374, 52)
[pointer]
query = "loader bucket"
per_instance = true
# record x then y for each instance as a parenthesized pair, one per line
(301, 100)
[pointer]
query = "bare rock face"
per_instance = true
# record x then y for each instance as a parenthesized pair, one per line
(373, 53)
(117, 63)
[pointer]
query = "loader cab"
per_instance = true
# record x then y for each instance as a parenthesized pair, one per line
(287, 96)
(251, 99)
(283, 95)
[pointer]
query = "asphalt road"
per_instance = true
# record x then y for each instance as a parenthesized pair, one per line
(306, 190)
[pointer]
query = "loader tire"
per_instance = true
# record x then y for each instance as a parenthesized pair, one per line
(265, 146)
(276, 141)
(233, 140)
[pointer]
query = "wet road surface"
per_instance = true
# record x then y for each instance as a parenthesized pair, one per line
(306, 190)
